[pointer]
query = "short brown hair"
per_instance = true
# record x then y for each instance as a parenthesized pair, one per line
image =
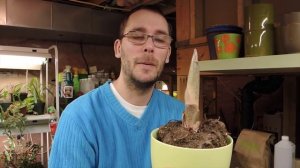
(152, 8)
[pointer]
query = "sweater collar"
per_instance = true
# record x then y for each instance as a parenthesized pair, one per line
(116, 107)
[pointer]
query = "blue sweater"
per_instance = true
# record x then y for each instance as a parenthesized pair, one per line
(96, 131)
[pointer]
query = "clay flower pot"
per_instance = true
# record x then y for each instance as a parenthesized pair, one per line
(165, 155)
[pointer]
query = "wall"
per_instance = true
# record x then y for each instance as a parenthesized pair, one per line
(70, 53)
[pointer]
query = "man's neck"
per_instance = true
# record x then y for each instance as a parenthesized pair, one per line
(133, 95)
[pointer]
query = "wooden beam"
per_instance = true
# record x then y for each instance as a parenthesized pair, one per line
(240, 13)
(183, 20)
(98, 2)
(192, 19)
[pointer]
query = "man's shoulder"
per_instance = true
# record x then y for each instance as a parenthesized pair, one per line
(85, 103)
(91, 95)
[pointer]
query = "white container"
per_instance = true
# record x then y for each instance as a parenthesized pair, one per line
(86, 85)
(284, 156)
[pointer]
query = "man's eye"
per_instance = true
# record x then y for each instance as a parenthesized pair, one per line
(138, 37)
(160, 40)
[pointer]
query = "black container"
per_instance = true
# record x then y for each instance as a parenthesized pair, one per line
(219, 29)
(39, 108)
(5, 106)
(15, 98)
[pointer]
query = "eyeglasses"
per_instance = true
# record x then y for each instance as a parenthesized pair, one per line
(139, 38)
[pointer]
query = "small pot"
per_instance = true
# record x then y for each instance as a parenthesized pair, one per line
(5, 105)
(23, 111)
(22, 97)
(39, 108)
(165, 155)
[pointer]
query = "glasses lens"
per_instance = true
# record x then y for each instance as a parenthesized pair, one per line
(161, 41)
(136, 37)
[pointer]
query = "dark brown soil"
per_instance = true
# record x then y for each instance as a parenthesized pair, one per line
(212, 133)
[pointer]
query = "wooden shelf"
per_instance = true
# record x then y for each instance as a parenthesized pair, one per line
(287, 63)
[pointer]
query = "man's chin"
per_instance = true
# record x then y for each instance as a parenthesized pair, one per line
(144, 83)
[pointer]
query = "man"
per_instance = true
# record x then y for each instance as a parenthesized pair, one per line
(111, 125)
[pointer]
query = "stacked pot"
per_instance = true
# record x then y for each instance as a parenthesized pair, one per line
(259, 30)
(291, 32)
(216, 30)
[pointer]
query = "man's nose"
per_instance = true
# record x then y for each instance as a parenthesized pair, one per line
(149, 45)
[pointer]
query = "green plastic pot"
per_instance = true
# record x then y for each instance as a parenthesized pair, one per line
(164, 155)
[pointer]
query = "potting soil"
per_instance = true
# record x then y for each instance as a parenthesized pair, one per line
(212, 133)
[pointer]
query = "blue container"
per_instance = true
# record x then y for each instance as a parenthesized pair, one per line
(219, 29)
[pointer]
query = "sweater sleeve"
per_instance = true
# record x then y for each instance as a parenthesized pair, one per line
(70, 147)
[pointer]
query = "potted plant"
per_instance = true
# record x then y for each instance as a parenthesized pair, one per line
(17, 99)
(36, 93)
(194, 141)
(28, 104)
(16, 94)
(207, 146)
(18, 152)
(3, 95)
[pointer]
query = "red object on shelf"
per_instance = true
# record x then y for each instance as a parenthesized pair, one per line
(53, 126)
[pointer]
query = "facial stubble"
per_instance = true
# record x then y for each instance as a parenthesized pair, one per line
(133, 81)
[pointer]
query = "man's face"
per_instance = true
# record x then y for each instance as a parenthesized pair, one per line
(142, 64)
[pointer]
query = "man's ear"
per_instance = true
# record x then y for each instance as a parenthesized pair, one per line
(117, 48)
(167, 60)
(168, 56)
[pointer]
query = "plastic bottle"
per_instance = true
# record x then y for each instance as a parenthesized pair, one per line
(60, 83)
(53, 126)
(76, 83)
(284, 156)
(68, 75)
(67, 86)
(95, 80)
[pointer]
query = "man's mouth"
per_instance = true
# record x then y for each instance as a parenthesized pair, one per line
(147, 63)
